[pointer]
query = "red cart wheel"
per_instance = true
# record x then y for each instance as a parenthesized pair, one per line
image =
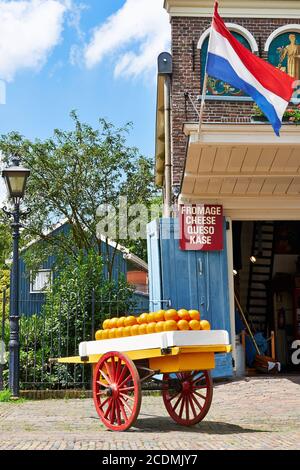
(187, 396)
(117, 391)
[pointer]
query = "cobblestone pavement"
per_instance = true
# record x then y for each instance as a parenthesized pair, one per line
(256, 413)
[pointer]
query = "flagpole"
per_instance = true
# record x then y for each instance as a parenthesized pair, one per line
(205, 81)
(204, 89)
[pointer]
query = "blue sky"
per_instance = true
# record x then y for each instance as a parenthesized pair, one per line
(95, 56)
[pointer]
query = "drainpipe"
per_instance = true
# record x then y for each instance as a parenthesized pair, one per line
(168, 159)
(165, 70)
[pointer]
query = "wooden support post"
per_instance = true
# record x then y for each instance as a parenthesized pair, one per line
(273, 353)
(243, 335)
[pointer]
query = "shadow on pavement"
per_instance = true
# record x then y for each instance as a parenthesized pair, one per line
(165, 424)
(295, 378)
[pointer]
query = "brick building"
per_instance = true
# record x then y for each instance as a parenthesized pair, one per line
(234, 159)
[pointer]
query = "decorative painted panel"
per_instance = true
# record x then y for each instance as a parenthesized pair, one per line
(218, 87)
(284, 53)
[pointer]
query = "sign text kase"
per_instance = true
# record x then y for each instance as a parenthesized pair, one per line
(201, 227)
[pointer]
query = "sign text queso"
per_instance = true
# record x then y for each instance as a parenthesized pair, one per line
(201, 227)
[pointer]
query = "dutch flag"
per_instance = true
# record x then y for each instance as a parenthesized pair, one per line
(230, 61)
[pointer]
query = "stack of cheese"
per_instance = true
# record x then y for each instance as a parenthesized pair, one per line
(156, 322)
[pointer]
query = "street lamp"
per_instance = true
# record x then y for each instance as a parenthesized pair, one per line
(15, 178)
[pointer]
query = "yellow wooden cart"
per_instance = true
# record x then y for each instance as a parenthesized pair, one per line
(122, 367)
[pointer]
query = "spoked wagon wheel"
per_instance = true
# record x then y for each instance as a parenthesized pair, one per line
(187, 396)
(117, 391)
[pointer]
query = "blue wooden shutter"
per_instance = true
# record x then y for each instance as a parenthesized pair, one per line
(178, 268)
(154, 266)
(216, 307)
(190, 279)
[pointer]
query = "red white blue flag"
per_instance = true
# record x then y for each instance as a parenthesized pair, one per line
(230, 61)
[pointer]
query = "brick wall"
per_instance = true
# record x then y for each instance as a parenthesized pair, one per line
(186, 78)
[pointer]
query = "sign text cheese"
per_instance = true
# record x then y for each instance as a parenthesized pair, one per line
(201, 227)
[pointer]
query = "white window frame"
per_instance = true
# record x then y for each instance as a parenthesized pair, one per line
(287, 28)
(237, 28)
(254, 48)
(32, 281)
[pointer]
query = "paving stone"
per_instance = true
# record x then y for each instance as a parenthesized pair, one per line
(257, 413)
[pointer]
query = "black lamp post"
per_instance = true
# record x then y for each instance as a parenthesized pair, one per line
(15, 178)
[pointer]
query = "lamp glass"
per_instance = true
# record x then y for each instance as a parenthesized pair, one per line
(15, 178)
(16, 185)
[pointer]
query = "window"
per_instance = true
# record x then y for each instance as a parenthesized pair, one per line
(41, 281)
(283, 48)
(284, 53)
(218, 87)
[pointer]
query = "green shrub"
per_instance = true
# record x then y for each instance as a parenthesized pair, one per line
(5, 396)
(81, 297)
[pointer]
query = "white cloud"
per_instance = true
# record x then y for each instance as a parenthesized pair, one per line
(75, 18)
(76, 50)
(134, 35)
(29, 30)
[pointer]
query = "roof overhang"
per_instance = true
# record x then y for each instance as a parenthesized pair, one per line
(160, 132)
(235, 8)
(248, 169)
(136, 261)
(126, 253)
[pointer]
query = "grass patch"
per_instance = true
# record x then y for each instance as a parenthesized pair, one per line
(5, 397)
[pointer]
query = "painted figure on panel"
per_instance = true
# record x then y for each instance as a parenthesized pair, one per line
(292, 53)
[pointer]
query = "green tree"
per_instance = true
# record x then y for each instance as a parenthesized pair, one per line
(5, 242)
(72, 173)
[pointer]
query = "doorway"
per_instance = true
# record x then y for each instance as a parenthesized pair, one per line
(266, 262)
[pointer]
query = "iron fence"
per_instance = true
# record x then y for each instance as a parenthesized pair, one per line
(56, 331)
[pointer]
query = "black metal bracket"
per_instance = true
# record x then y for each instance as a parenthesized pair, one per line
(260, 49)
(25, 213)
(166, 351)
(84, 358)
(193, 54)
(165, 64)
(186, 97)
(11, 214)
(7, 212)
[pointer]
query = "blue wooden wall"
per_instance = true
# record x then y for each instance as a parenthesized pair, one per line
(32, 303)
(189, 279)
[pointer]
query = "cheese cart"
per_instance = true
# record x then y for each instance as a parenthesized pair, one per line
(179, 362)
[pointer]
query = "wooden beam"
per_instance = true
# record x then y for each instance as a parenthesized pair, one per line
(205, 175)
